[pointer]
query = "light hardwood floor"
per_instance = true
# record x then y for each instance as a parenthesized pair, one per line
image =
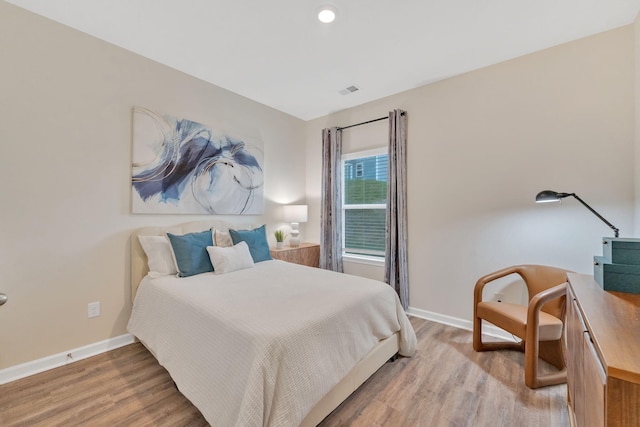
(445, 384)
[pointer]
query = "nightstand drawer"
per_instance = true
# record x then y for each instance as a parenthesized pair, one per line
(305, 254)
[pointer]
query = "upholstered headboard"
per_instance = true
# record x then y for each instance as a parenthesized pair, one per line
(139, 265)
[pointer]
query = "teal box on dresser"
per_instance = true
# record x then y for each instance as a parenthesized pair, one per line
(616, 277)
(619, 267)
(621, 251)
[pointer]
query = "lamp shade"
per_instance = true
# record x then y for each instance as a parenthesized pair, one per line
(547, 196)
(295, 213)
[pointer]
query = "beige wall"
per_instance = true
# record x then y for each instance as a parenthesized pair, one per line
(483, 144)
(66, 105)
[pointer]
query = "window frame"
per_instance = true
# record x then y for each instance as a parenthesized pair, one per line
(372, 259)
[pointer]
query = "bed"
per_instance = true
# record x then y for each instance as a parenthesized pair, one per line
(278, 344)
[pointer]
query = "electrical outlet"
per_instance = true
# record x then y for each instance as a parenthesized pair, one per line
(93, 309)
(498, 296)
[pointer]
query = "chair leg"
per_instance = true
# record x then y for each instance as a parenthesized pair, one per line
(531, 353)
(477, 333)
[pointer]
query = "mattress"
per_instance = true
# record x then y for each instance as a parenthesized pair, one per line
(261, 346)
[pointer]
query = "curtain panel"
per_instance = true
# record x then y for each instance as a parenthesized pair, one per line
(331, 201)
(396, 267)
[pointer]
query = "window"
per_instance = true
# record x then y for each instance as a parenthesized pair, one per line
(348, 171)
(364, 205)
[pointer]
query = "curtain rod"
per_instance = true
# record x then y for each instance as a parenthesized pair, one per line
(365, 123)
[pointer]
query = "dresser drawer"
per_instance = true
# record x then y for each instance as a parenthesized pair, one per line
(595, 382)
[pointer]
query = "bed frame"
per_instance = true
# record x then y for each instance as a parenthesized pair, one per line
(377, 357)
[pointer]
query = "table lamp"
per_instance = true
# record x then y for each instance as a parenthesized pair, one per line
(552, 196)
(295, 214)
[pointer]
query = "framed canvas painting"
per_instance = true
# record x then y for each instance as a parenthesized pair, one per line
(184, 167)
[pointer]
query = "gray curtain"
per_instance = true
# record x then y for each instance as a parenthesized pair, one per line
(396, 267)
(331, 203)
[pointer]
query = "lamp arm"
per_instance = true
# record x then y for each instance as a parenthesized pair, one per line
(613, 227)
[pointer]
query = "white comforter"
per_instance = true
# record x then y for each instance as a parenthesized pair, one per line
(260, 347)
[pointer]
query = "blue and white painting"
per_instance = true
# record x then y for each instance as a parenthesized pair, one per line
(184, 167)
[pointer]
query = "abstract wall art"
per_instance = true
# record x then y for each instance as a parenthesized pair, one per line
(183, 167)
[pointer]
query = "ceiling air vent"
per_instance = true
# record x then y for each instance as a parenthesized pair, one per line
(348, 90)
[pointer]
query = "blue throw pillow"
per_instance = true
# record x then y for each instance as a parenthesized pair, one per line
(191, 253)
(256, 239)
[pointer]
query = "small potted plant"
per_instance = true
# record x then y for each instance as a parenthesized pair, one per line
(279, 234)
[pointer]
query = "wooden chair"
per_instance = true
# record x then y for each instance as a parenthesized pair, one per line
(539, 325)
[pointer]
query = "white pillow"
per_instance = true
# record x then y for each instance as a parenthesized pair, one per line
(222, 239)
(232, 258)
(159, 255)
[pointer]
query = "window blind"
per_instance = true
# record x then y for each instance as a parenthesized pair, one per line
(364, 205)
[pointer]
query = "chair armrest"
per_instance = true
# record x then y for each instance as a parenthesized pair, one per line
(482, 282)
(536, 303)
(545, 296)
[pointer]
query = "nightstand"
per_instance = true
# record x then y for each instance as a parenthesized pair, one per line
(305, 254)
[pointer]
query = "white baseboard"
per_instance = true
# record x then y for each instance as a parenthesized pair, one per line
(487, 329)
(40, 365)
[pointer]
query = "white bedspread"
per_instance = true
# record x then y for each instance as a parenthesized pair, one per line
(260, 347)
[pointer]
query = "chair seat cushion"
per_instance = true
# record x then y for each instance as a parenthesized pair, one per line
(513, 318)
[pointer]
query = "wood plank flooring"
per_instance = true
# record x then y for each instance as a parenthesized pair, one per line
(445, 384)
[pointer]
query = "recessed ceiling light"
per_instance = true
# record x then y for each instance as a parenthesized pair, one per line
(326, 15)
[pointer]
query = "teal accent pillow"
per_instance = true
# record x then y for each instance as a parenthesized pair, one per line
(190, 251)
(256, 239)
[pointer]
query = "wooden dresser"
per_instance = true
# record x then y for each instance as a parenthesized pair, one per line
(305, 254)
(603, 355)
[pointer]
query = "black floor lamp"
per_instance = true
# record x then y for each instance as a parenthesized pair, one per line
(552, 196)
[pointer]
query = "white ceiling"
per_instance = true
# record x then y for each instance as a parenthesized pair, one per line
(277, 52)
